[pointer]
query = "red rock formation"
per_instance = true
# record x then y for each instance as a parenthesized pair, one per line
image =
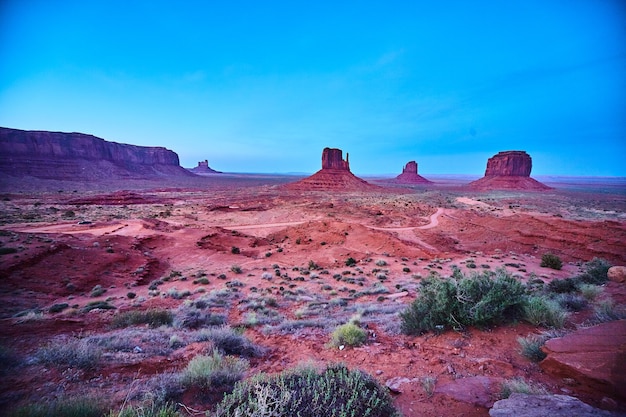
(334, 175)
(76, 156)
(409, 175)
(509, 170)
(204, 168)
(595, 357)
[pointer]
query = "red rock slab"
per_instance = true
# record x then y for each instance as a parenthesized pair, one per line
(594, 357)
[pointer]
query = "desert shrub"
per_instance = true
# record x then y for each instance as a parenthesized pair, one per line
(57, 308)
(235, 250)
(541, 311)
(97, 291)
(7, 251)
(63, 407)
(381, 262)
(236, 269)
(350, 261)
(531, 347)
(590, 291)
(571, 302)
(561, 286)
(153, 318)
(190, 319)
(215, 371)
(595, 272)
(131, 295)
(98, 305)
(349, 334)
(475, 301)
(549, 260)
(229, 342)
(147, 409)
(606, 310)
(305, 392)
(74, 353)
(521, 386)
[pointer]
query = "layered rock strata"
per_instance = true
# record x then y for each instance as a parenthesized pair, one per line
(508, 170)
(80, 157)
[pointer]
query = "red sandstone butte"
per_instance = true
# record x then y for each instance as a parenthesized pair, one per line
(508, 170)
(334, 175)
(78, 157)
(204, 168)
(410, 176)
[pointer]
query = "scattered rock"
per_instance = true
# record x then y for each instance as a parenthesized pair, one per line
(477, 390)
(595, 357)
(395, 384)
(617, 273)
(518, 405)
(508, 170)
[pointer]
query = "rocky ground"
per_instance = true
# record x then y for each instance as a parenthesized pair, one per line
(272, 261)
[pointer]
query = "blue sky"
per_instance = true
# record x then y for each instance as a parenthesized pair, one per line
(265, 86)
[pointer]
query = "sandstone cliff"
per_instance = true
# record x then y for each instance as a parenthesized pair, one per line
(334, 175)
(508, 170)
(410, 176)
(78, 157)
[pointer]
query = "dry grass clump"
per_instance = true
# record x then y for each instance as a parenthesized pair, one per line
(70, 352)
(215, 371)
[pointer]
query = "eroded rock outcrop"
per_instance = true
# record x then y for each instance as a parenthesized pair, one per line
(410, 176)
(526, 405)
(77, 156)
(508, 170)
(334, 175)
(204, 168)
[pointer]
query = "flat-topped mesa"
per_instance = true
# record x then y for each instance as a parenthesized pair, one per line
(204, 168)
(509, 170)
(410, 176)
(77, 157)
(334, 175)
(509, 163)
(332, 158)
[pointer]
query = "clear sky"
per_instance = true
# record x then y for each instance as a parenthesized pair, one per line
(264, 86)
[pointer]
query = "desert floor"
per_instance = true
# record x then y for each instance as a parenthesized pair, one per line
(172, 244)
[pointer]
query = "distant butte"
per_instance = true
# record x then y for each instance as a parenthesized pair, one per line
(334, 175)
(410, 176)
(204, 168)
(81, 157)
(508, 170)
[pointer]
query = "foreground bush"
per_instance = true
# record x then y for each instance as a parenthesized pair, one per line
(541, 311)
(334, 392)
(66, 407)
(349, 334)
(458, 303)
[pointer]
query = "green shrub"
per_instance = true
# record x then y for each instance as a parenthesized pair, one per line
(572, 302)
(590, 291)
(153, 318)
(98, 305)
(215, 371)
(561, 286)
(97, 291)
(458, 303)
(521, 386)
(551, 261)
(606, 310)
(236, 269)
(235, 250)
(148, 409)
(541, 311)
(531, 347)
(64, 407)
(57, 308)
(350, 262)
(349, 334)
(595, 272)
(333, 392)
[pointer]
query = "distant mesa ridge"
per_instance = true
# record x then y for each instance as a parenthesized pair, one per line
(508, 170)
(204, 168)
(410, 176)
(334, 175)
(78, 156)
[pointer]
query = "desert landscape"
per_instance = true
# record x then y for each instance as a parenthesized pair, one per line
(111, 289)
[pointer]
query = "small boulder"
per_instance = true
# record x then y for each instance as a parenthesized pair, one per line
(545, 405)
(617, 273)
(395, 384)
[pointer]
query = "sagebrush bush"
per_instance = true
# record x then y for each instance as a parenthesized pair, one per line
(153, 318)
(214, 372)
(562, 286)
(74, 353)
(549, 260)
(349, 334)
(531, 347)
(305, 392)
(541, 311)
(64, 407)
(229, 342)
(457, 303)
(606, 310)
(572, 302)
(595, 272)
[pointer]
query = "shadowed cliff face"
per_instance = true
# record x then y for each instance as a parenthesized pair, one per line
(332, 158)
(76, 156)
(509, 163)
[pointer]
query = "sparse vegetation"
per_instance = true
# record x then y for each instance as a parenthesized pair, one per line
(79, 406)
(541, 311)
(216, 371)
(333, 392)
(520, 385)
(73, 352)
(595, 272)
(153, 318)
(549, 260)
(349, 334)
